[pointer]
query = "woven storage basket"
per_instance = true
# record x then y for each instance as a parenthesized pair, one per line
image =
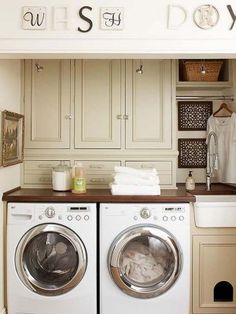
(193, 70)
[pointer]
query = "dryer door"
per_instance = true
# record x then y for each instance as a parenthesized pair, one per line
(50, 259)
(145, 261)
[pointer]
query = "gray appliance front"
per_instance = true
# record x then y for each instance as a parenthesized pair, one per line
(50, 259)
(145, 261)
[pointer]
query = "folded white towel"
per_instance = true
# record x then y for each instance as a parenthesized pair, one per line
(122, 178)
(145, 174)
(118, 189)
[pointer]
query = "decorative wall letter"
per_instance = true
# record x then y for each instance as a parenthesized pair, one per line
(206, 16)
(60, 18)
(232, 15)
(112, 18)
(176, 16)
(86, 19)
(34, 18)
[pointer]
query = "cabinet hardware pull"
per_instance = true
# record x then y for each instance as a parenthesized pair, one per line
(147, 166)
(48, 180)
(68, 116)
(119, 116)
(125, 117)
(95, 167)
(46, 166)
(97, 180)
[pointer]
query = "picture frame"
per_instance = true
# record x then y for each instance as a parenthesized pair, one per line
(193, 115)
(12, 138)
(192, 153)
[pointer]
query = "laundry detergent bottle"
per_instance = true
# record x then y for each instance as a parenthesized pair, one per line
(78, 179)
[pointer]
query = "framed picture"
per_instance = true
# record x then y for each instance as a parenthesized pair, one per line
(193, 115)
(192, 153)
(12, 138)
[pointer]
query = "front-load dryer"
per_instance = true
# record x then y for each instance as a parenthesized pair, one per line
(144, 258)
(51, 258)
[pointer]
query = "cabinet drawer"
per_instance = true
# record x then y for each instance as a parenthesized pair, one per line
(39, 172)
(37, 179)
(99, 173)
(164, 169)
(94, 180)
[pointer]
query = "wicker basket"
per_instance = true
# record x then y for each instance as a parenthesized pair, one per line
(202, 70)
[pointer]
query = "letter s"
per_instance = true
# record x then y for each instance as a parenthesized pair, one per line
(86, 19)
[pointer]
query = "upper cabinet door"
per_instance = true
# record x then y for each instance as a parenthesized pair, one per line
(47, 103)
(97, 103)
(148, 104)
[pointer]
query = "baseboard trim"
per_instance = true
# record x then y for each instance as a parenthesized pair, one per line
(4, 311)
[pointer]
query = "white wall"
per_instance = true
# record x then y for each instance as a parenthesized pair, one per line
(10, 90)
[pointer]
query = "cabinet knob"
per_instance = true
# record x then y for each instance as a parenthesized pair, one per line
(119, 116)
(125, 117)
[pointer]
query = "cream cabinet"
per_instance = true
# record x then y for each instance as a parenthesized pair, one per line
(47, 103)
(214, 274)
(38, 173)
(99, 173)
(109, 103)
(148, 104)
(97, 103)
(99, 112)
(165, 168)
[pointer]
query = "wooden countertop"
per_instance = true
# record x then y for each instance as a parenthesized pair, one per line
(96, 195)
(104, 195)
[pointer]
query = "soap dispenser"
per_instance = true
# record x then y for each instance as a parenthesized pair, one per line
(190, 183)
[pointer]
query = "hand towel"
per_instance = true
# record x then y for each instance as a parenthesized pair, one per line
(118, 189)
(145, 174)
(122, 178)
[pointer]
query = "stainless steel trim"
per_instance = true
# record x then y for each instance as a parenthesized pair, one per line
(24, 274)
(122, 240)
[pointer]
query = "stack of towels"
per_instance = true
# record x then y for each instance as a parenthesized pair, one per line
(130, 181)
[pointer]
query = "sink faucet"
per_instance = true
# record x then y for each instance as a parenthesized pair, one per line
(212, 158)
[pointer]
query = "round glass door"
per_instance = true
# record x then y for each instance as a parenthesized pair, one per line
(145, 261)
(51, 259)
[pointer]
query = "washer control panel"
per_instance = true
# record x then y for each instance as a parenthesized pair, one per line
(63, 212)
(165, 213)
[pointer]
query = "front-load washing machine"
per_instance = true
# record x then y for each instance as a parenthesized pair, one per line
(144, 258)
(51, 258)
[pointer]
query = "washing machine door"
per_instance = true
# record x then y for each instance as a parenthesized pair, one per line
(145, 261)
(50, 259)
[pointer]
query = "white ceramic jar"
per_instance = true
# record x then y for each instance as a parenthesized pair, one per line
(61, 177)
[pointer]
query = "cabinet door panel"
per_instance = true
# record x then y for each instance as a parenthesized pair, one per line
(97, 104)
(148, 104)
(214, 261)
(47, 104)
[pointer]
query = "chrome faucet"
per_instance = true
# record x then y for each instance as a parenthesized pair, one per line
(212, 158)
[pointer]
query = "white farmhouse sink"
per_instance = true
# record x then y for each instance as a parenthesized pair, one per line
(212, 211)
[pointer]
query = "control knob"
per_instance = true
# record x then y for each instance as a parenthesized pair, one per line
(145, 213)
(49, 212)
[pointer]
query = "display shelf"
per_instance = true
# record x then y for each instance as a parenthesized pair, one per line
(224, 81)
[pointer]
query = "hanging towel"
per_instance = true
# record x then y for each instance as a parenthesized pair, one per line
(118, 189)
(122, 178)
(145, 174)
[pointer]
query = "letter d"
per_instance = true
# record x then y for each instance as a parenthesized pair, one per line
(176, 16)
